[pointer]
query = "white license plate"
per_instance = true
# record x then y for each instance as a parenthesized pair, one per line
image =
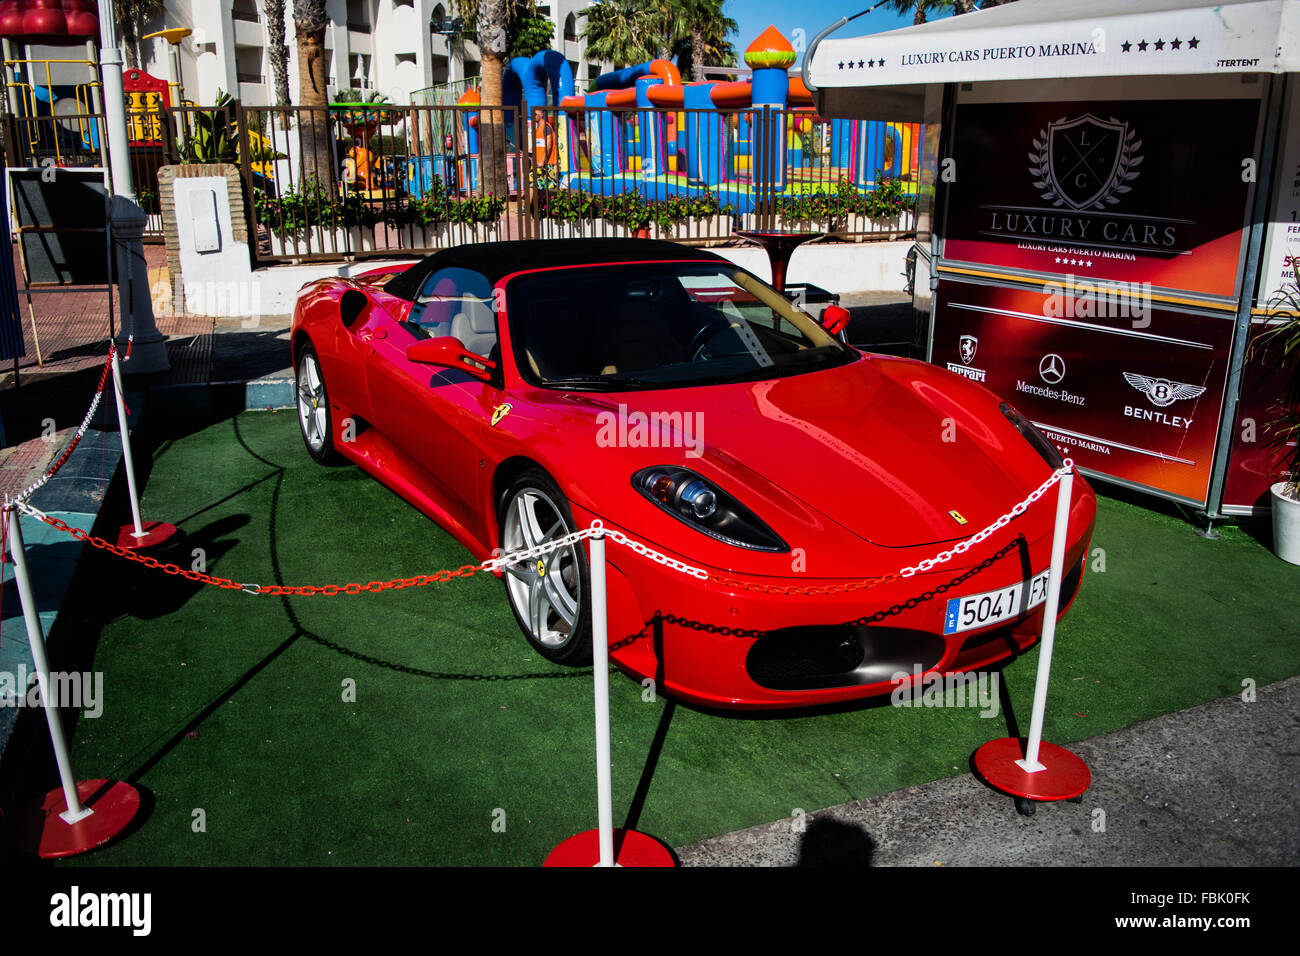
(993, 607)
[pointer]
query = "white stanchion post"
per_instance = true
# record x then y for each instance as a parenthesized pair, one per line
(1030, 763)
(36, 639)
(600, 666)
(126, 448)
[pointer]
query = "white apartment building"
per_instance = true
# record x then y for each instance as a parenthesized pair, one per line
(393, 46)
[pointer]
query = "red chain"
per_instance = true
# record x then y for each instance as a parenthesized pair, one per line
(306, 590)
(808, 589)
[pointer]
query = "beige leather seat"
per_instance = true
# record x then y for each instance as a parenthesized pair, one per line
(476, 326)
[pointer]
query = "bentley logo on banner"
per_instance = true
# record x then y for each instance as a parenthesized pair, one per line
(1083, 162)
(1161, 391)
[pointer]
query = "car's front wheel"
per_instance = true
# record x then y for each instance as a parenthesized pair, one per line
(548, 593)
(314, 408)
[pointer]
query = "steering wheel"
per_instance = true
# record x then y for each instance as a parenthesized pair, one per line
(704, 335)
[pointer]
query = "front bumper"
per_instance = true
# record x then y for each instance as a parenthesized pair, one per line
(740, 648)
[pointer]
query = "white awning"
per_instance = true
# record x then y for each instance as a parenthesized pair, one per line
(1039, 39)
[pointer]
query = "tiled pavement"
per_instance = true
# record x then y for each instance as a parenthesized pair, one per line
(72, 328)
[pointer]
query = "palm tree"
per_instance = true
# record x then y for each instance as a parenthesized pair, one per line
(621, 32)
(703, 41)
(493, 25)
(492, 44)
(278, 52)
(130, 16)
(668, 23)
(309, 22)
(921, 7)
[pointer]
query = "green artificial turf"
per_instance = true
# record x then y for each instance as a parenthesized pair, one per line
(464, 747)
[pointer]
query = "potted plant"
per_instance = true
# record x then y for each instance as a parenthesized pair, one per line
(309, 219)
(692, 217)
(210, 135)
(880, 210)
(1280, 346)
(361, 112)
(805, 212)
(474, 219)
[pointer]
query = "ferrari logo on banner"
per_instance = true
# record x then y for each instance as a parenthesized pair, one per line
(1083, 162)
(968, 344)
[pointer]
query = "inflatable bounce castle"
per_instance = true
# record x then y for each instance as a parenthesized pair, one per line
(643, 129)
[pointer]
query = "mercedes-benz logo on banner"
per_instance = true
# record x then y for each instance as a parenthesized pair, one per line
(1083, 162)
(967, 346)
(1051, 369)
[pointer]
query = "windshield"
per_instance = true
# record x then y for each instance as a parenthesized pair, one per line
(659, 325)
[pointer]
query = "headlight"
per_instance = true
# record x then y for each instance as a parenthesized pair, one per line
(1046, 450)
(705, 507)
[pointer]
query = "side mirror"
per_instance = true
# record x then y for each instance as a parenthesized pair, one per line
(835, 319)
(449, 352)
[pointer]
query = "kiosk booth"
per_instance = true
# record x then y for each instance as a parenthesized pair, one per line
(1109, 202)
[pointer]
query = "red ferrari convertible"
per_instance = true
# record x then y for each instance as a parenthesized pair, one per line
(514, 392)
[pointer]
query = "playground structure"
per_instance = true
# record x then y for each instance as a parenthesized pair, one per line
(643, 129)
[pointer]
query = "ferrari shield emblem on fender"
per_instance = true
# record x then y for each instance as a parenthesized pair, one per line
(1082, 162)
(958, 517)
(500, 412)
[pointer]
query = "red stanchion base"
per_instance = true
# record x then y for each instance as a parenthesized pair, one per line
(42, 831)
(1066, 775)
(155, 533)
(630, 849)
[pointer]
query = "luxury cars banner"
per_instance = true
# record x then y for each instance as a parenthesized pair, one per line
(1133, 396)
(1124, 190)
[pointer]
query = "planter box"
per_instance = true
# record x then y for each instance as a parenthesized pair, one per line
(558, 229)
(462, 233)
(1286, 524)
(861, 223)
(584, 228)
(308, 242)
(702, 227)
(802, 225)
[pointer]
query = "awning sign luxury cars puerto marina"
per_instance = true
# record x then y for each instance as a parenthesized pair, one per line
(1063, 39)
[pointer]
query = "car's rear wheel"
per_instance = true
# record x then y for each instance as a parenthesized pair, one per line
(548, 593)
(314, 417)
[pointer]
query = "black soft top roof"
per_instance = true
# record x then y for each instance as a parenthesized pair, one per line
(497, 259)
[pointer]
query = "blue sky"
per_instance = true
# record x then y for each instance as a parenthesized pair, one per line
(811, 16)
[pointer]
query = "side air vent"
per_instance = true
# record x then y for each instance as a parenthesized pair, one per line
(352, 306)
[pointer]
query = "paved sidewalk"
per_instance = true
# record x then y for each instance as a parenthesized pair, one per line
(1216, 785)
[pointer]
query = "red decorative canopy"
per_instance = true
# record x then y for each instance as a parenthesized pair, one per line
(49, 21)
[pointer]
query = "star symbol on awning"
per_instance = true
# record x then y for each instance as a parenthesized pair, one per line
(1142, 47)
(1160, 44)
(1175, 44)
(1126, 46)
(1193, 43)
